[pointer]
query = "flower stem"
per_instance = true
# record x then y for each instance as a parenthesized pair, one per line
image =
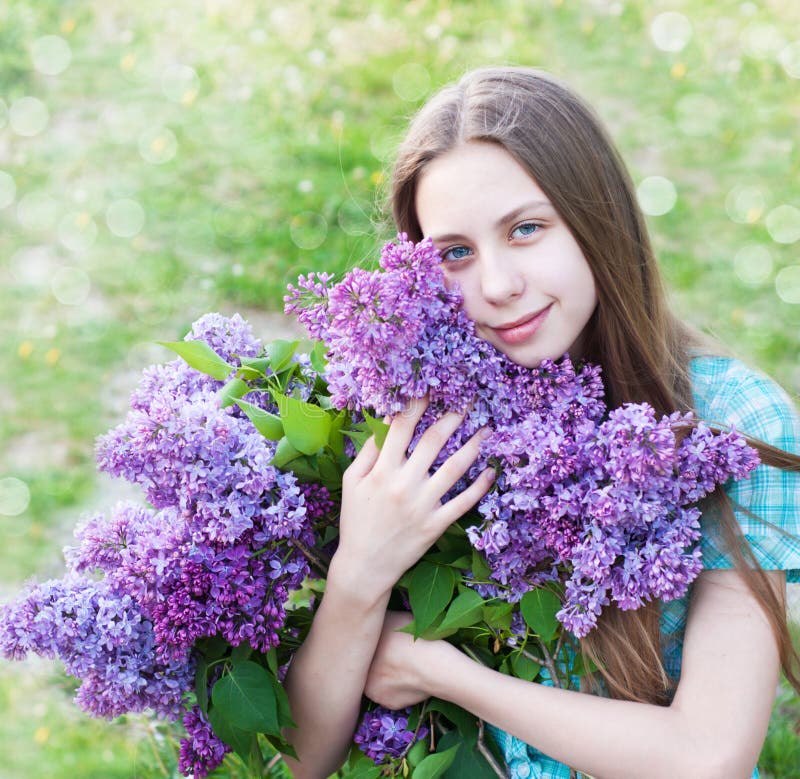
(315, 560)
(487, 753)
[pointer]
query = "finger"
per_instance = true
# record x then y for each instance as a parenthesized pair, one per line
(401, 430)
(433, 440)
(364, 460)
(465, 500)
(457, 464)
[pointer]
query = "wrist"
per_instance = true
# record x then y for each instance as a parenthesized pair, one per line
(444, 672)
(350, 582)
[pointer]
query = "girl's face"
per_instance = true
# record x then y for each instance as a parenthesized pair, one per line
(525, 281)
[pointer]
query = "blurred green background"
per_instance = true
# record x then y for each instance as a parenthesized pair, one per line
(158, 161)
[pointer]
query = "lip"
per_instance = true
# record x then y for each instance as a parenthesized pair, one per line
(521, 329)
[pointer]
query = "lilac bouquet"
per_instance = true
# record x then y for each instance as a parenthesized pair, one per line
(191, 606)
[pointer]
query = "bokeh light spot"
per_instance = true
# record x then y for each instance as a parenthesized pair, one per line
(698, 115)
(125, 218)
(656, 195)
(51, 55)
(753, 264)
(308, 229)
(70, 286)
(37, 211)
(25, 350)
(33, 265)
(14, 496)
(783, 224)
(411, 81)
(789, 58)
(8, 189)
(745, 204)
(180, 84)
(671, 31)
(158, 145)
(77, 231)
(52, 356)
(762, 40)
(28, 116)
(787, 284)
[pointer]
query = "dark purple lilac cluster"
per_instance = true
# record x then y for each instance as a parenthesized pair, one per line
(202, 750)
(216, 555)
(601, 501)
(385, 735)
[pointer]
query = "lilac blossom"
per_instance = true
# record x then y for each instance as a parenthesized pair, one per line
(601, 500)
(384, 735)
(202, 750)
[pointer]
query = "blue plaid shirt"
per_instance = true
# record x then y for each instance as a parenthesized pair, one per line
(729, 393)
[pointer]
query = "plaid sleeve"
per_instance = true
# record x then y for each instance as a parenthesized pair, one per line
(729, 393)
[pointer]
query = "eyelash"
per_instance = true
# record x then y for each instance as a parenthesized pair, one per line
(445, 252)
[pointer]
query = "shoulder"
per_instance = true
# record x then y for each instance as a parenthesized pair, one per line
(730, 393)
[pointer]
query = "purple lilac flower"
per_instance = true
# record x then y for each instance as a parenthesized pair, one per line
(201, 751)
(601, 500)
(103, 639)
(384, 735)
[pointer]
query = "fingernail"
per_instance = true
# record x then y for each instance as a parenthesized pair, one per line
(485, 432)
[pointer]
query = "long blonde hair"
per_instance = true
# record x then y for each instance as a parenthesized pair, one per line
(642, 347)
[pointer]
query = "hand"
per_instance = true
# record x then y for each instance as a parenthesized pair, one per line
(391, 506)
(401, 665)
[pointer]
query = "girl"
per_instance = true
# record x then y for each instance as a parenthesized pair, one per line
(537, 222)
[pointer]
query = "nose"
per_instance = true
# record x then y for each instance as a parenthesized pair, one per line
(500, 279)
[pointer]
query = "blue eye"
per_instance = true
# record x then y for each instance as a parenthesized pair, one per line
(526, 229)
(455, 253)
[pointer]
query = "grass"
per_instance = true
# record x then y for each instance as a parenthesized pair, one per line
(282, 133)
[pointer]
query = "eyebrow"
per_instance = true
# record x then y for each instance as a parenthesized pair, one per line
(511, 215)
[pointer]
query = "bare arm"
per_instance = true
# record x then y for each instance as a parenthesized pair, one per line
(714, 728)
(391, 514)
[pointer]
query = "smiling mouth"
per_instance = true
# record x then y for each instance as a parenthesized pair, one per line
(522, 329)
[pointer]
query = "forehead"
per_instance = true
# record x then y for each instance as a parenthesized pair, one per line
(475, 180)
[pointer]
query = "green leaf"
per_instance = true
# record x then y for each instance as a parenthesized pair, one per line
(246, 698)
(306, 426)
(363, 769)
(256, 365)
(539, 609)
(269, 425)
(213, 648)
(241, 653)
(377, 427)
(233, 390)
(200, 356)
(201, 683)
(449, 557)
(469, 761)
(284, 453)
(417, 753)
(335, 438)
(498, 615)
(465, 723)
(429, 591)
(436, 764)
(480, 568)
(239, 740)
(318, 359)
(464, 611)
(280, 353)
(524, 668)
